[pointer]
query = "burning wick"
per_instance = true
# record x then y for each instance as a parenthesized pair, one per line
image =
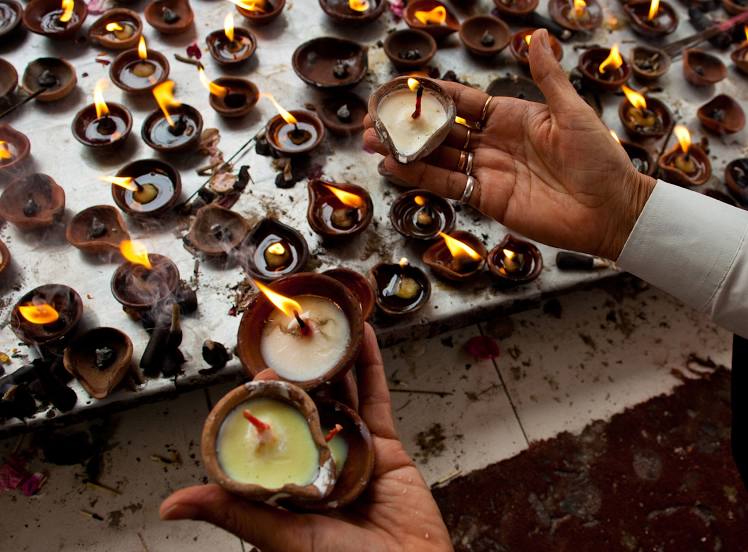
(512, 262)
(287, 306)
(333, 432)
(360, 6)
(424, 216)
(654, 7)
(463, 256)
(143, 69)
(580, 10)
(264, 431)
(104, 123)
(41, 314)
(437, 16)
(640, 115)
(416, 87)
(120, 31)
(298, 135)
(164, 94)
(614, 60)
(67, 11)
(141, 193)
(683, 161)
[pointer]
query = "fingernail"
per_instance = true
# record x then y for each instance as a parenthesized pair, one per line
(543, 39)
(179, 511)
(383, 170)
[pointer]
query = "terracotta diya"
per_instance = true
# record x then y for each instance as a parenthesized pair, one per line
(651, 18)
(515, 8)
(327, 62)
(232, 97)
(736, 178)
(225, 439)
(409, 48)
(400, 289)
(147, 187)
(735, 7)
(644, 118)
(8, 79)
(294, 132)
(15, 148)
(144, 281)
(422, 215)
(99, 229)
(328, 336)
(33, 201)
(56, 76)
(216, 231)
(432, 17)
(515, 261)
(260, 12)
(60, 19)
(169, 16)
(459, 256)
(605, 68)
(640, 156)
(175, 127)
(232, 45)
(117, 29)
(648, 63)
(353, 12)
(484, 35)
(11, 14)
(99, 359)
(357, 284)
(101, 124)
(338, 210)
(520, 46)
(576, 15)
(47, 315)
(343, 113)
(273, 250)
(5, 257)
(701, 68)
(687, 164)
(722, 115)
(739, 57)
(139, 70)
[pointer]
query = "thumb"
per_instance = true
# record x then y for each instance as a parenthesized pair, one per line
(550, 76)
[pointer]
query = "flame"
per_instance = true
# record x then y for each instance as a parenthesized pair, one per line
(459, 249)
(250, 5)
(580, 6)
(613, 60)
(5, 153)
(113, 27)
(359, 5)
(745, 28)
(419, 200)
(615, 136)
(654, 7)
(213, 88)
(142, 49)
(101, 107)
(461, 121)
(286, 305)
(528, 39)
(276, 249)
(683, 136)
(437, 16)
(509, 256)
(164, 94)
(635, 98)
(122, 181)
(135, 252)
(346, 198)
(39, 314)
(67, 10)
(413, 84)
(228, 26)
(403, 262)
(290, 119)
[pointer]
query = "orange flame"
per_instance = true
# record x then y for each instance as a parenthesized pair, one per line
(250, 5)
(654, 7)
(213, 88)
(459, 249)
(580, 6)
(39, 314)
(346, 198)
(419, 200)
(403, 262)
(135, 252)
(613, 60)
(510, 260)
(461, 121)
(635, 98)
(67, 10)
(615, 136)
(359, 5)
(745, 28)
(101, 108)
(683, 136)
(528, 39)
(437, 16)
(121, 181)
(114, 27)
(413, 84)
(290, 119)
(286, 305)
(142, 49)
(276, 249)
(228, 26)
(5, 153)
(164, 94)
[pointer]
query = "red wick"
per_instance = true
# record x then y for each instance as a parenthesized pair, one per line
(419, 95)
(333, 432)
(304, 328)
(260, 426)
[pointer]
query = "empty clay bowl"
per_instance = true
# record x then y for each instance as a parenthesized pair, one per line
(484, 35)
(409, 48)
(340, 11)
(271, 11)
(216, 231)
(342, 113)
(640, 157)
(8, 78)
(123, 38)
(99, 359)
(99, 229)
(42, 17)
(328, 62)
(56, 75)
(240, 99)
(515, 8)
(649, 63)
(722, 115)
(169, 16)
(33, 201)
(735, 7)
(701, 68)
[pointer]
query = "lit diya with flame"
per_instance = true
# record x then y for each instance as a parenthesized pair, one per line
(576, 15)
(651, 18)
(10, 16)
(458, 257)
(47, 315)
(55, 18)
(422, 215)
(353, 12)
(338, 210)
(643, 118)
(520, 46)
(687, 164)
(175, 127)
(515, 261)
(117, 29)
(145, 187)
(411, 116)
(232, 45)
(139, 70)
(273, 250)
(605, 68)
(739, 56)
(259, 12)
(306, 327)
(101, 124)
(15, 148)
(400, 288)
(515, 8)
(640, 156)
(293, 132)
(230, 96)
(432, 17)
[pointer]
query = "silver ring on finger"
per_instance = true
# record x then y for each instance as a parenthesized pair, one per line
(484, 113)
(469, 189)
(469, 164)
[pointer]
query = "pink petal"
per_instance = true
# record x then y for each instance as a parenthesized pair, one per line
(193, 51)
(482, 348)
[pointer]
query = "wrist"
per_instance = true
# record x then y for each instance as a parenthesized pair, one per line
(635, 191)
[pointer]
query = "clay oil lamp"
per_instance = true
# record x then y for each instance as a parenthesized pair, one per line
(97, 230)
(47, 315)
(343, 113)
(576, 15)
(400, 288)
(102, 125)
(169, 16)
(722, 115)
(459, 256)
(484, 35)
(263, 441)
(735, 7)
(643, 118)
(139, 70)
(515, 9)
(11, 13)
(15, 148)
(514, 86)
(520, 46)
(217, 232)
(175, 127)
(259, 12)
(338, 210)
(329, 63)
(515, 261)
(230, 97)
(736, 178)
(649, 64)
(432, 17)
(59, 19)
(33, 201)
(411, 116)
(701, 68)
(357, 284)
(739, 56)
(306, 327)
(293, 132)
(651, 18)
(8, 79)
(99, 359)
(5, 258)
(422, 215)
(147, 187)
(273, 250)
(144, 279)
(117, 29)
(409, 49)
(49, 79)
(640, 156)
(233, 45)
(604, 68)
(353, 12)
(687, 164)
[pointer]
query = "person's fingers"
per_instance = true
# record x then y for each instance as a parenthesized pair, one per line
(447, 158)
(372, 142)
(268, 374)
(368, 123)
(469, 101)
(342, 390)
(375, 406)
(446, 183)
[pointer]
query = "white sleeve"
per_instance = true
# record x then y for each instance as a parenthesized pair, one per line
(695, 248)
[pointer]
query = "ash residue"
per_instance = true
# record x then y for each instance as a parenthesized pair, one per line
(431, 443)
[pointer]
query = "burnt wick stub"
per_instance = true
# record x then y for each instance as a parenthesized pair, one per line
(343, 113)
